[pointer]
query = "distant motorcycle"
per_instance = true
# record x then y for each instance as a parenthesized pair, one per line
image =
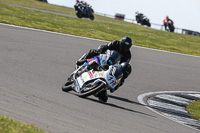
(84, 11)
(143, 20)
(170, 26)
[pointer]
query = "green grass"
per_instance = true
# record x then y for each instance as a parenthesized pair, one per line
(50, 7)
(194, 109)
(106, 28)
(8, 125)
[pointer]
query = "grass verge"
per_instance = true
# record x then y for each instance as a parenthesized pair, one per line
(194, 109)
(105, 30)
(8, 125)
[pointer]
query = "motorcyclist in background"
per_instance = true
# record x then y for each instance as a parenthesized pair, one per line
(123, 47)
(138, 16)
(165, 22)
(78, 4)
(83, 6)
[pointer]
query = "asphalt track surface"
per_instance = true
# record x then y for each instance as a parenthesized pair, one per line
(34, 65)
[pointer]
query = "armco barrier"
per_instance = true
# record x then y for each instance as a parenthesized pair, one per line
(153, 25)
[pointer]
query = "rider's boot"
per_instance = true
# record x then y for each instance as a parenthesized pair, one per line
(103, 96)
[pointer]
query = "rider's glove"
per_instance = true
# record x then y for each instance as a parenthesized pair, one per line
(80, 62)
(103, 67)
(93, 65)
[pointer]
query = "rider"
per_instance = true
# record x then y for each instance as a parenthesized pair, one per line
(81, 5)
(123, 47)
(165, 22)
(138, 16)
(126, 69)
(78, 4)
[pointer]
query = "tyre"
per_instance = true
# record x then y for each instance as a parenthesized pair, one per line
(91, 90)
(142, 22)
(91, 17)
(67, 87)
(171, 28)
(148, 24)
(78, 15)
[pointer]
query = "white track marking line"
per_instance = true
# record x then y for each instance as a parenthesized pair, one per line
(142, 96)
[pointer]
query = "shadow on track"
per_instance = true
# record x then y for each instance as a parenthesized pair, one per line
(125, 100)
(117, 106)
(120, 107)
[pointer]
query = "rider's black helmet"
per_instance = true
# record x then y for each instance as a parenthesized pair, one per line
(126, 69)
(125, 43)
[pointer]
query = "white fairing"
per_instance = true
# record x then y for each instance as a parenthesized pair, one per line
(111, 80)
(87, 76)
(93, 77)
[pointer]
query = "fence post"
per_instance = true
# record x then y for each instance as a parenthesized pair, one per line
(161, 27)
(132, 20)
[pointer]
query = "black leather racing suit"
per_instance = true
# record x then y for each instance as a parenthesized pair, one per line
(114, 45)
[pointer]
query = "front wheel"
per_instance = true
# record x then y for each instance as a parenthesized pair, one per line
(67, 87)
(148, 24)
(91, 90)
(78, 15)
(142, 22)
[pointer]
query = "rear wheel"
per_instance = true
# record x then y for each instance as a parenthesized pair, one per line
(148, 24)
(87, 91)
(67, 87)
(92, 17)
